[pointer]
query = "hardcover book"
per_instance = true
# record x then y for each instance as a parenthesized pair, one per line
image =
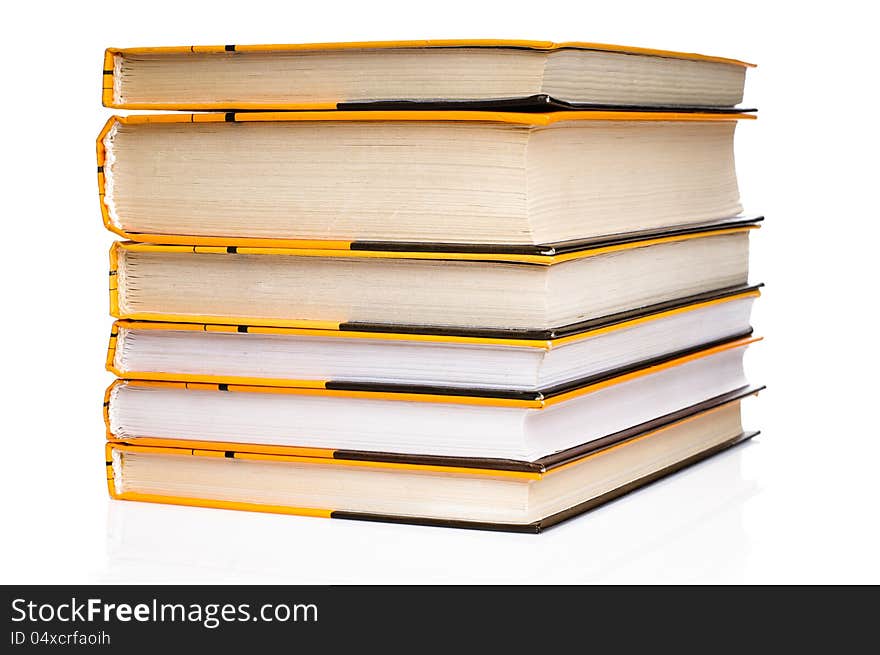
(483, 293)
(479, 73)
(351, 179)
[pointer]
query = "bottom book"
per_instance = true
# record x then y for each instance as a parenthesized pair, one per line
(460, 492)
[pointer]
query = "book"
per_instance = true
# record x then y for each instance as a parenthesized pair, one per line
(255, 355)
(418, 421)
(485, 73)
(658, 531)
(417, 290)
(454, 493)
(327, 179)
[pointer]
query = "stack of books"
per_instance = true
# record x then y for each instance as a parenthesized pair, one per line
(479, 284)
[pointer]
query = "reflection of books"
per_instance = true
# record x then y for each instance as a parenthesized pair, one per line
(690, 527)
(685, 528)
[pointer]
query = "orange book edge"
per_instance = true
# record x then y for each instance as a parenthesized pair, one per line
(293, 248)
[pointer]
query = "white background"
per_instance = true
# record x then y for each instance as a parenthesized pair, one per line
(799, 504)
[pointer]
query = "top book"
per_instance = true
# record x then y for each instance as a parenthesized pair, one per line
(470, 74)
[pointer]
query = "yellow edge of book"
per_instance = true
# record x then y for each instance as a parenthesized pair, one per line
(449, 115)
(541, 344)
(325, 461)
(295, 248)
(421, 43)
(318, 387)
(287, 454)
